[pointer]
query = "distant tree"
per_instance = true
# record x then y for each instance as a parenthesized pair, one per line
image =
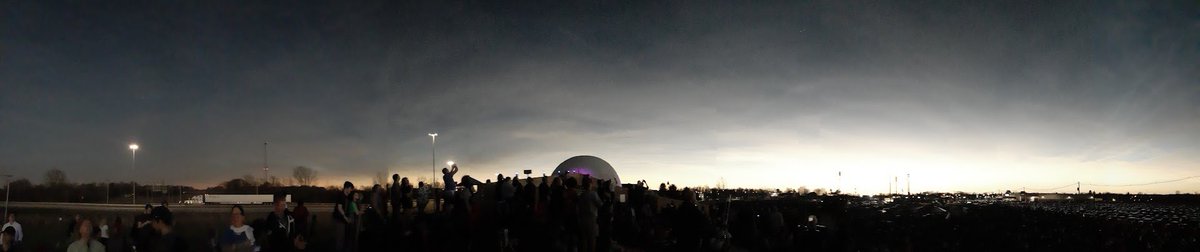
(721, 183)
(428, 182)
(250, 179)
(55, 177)
(381, 178)
(22, 189)
(238, 185)
(304, 176)
(20, 184)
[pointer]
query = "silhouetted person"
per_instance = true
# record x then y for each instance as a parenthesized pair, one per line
(301, 215)
(341, 217)
(144, 232)
(395, 197)
(356, 213)
(504, 194)
(690, 224)
(557, 195)
(377, 202)
(530, 191)
(422, 196)
(118, 237)
(605, 215)
(448, 185)
(406, 189)
(8, 240)
(168, 240)
(73, 226)
(587, 208)
(544, 189)
(372, 223)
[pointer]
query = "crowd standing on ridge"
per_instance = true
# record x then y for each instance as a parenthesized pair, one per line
(575, 212)
(555, 213)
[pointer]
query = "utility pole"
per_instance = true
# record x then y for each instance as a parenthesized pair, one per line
(909, 181)
(266, 177)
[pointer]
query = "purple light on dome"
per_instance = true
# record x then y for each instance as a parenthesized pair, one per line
(581, 170)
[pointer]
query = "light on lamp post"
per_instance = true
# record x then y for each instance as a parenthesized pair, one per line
(133, 166)
(433, 158)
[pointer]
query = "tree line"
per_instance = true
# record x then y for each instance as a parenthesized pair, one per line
(57, 187)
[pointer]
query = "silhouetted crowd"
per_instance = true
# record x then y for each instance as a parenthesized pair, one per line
(558, 213)
(575, 212)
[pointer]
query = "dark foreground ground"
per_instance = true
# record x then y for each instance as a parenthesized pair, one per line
(45, 224)
(771, 225)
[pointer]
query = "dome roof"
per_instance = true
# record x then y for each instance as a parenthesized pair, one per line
(590, 165)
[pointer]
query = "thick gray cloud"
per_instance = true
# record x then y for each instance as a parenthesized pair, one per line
(691, 91)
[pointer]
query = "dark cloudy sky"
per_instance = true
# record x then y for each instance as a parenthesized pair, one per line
(964, 95)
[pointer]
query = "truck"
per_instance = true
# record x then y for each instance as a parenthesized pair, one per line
(244, 199)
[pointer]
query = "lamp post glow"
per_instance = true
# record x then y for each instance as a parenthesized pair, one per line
(449, 163)
(433, 158)
(133, 166)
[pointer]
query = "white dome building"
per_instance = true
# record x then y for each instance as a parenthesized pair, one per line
(588, 165)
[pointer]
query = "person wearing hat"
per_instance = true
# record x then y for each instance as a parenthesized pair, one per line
(8, 240)
(163, 222)
(85, 243)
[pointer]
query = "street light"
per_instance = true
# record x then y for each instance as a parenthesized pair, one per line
(133, 166)
(266, 177)
(449, 163)
(433, 158)
(7, 190)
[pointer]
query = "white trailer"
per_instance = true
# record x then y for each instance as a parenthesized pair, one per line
(244, 199)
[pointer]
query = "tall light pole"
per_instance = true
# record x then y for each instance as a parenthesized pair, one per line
(7, 190)
(133, 166)
(265, 168)
(433, 159)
